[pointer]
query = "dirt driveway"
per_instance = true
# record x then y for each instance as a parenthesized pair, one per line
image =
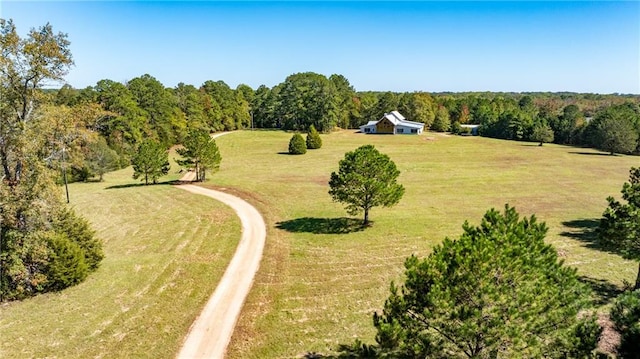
(211, 332)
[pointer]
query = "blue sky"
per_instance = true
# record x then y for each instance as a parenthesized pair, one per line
(382, 46)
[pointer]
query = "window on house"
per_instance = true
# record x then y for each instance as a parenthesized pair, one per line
(400, 130)
(414, 130)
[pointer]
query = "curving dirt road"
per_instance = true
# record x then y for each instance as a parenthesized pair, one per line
(211, 332)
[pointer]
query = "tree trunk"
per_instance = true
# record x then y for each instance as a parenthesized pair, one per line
(638, 278)
(366, 216)
(146, 179)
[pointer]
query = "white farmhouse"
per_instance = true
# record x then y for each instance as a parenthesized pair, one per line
(393, 123)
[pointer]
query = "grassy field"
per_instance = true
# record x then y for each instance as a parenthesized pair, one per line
(321, 279)
(318, 286)
(165, 252)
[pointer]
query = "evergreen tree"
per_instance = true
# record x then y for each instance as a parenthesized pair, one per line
(619, 228)
(201, 152)
(625, 316)
(297, 145)
(366, 179)
(150, 162)
(67, 266)
(497, 291)
(313, 139)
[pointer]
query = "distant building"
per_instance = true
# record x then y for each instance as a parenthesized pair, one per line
(393, 123)
(473, 129)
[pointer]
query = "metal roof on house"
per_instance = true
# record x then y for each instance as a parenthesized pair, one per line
(397, 120)
(398, 115)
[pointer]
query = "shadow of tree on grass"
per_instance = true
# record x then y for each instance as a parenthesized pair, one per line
(603, 290)
(591, 153)
(141, 184)
(584, 230)
(340, 225)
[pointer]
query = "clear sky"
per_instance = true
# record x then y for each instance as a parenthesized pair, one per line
(383, 46)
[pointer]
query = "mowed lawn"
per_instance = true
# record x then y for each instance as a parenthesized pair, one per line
(320, 281)
(165, 251)
(321, 277)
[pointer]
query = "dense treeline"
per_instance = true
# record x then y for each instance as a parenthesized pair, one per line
(144, 108)
(44, 245)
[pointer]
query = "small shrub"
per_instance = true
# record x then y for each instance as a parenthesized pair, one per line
(67, 266)
(77, 230)
(297, 145)
(313, 139)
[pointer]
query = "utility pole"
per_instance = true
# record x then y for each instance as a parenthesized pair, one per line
(64, 174)
(1, 260)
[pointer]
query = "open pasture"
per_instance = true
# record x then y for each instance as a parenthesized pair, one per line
(322, 276)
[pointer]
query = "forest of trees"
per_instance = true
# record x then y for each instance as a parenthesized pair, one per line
(125, 113)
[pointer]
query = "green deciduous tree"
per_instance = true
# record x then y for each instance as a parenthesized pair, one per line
(441, 122)
(297, 145)
(150, 162)
(542, 133)
(418, 107)
(619, 228)
(158, 107)
(308, 99)
(496, 292)
(613, 130)
(625, 315)
(313, 139)
(30, 139)
(25, 65)
(100, 158)
(201, 152)
(566, 125)
(226, 109)
(365, 179)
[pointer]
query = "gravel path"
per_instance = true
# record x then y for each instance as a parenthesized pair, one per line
(211, 332)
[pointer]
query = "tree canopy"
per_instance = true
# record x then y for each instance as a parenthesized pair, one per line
(43, 245)
(619, 227)
(613, 130)
(150, 162)
(496, 291)
(201, 152)
(365, 179)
